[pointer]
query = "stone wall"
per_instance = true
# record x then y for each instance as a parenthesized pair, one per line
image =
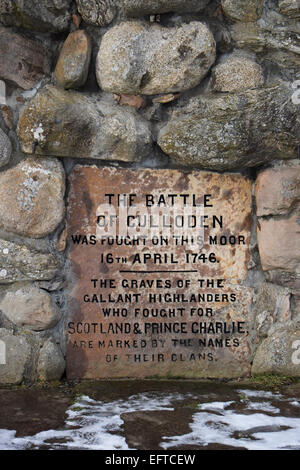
(186, 84)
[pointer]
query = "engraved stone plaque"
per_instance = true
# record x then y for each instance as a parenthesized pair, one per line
(158, 260)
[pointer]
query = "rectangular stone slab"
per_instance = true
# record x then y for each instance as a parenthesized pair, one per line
(199, 323)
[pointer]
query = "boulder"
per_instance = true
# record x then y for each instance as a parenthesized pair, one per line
(6, 111)
(102, 12)
(231, 131)
(278, 243)
(5, 148)
(32, 197)
(273, 305)
(46, 16)
(146, 7)
(30, 307)
(277, 190)
(279, 353)
(276, 39)
(15, 359)
(51, 363)
(74, 59)
(243, 10)
(237, 74)
(290, 8)
(138, 58)
(23, 61)
(97, 12)
(69, 124)
(21, 263)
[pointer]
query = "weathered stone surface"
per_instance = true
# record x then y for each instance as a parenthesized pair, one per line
(146, 7)
(276, 39)
(46, 16)
(98, 12)
(32, 197)
(273, 304)
(237, 74)
(284, 277)
(51, 364)
(69, 124)
(20, 263)
(7, 113)
(233, 130)
(277, 191)
(5, 148)
(23, 61)
(102, 12)
(18, 356)
(279, 353)
(30, 307)
(136, 58)
(243, 10)
(278, 243)
(73, 63)
(231, 197)
(290, 8)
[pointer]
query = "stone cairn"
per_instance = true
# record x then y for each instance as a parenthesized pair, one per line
(192, 84)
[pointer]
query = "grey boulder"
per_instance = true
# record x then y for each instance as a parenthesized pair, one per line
(46, 15)
(279, 353)
(136, 58)
(145, 7)
(236, 130)
(15, 356)
(5, 148)
(51, 363)
(30, 307)
(19, 262)
(69, 124)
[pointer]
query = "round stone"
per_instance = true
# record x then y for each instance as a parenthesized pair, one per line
(46, 16)
(237, 74)
(135, 58)
(32, 197)
(243, 10)
(15, 356)
(97, 12)
(73, 63)
(31, 308)
(5, 148)
(51, 363)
